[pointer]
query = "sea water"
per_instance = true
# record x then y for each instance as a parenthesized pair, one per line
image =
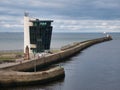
(15, 41)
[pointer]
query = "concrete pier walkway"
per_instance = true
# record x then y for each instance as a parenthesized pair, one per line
(48, 59)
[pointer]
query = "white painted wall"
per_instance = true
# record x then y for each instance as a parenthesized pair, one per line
(26, 33)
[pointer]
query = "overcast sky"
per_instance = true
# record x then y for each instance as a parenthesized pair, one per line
(68, 15)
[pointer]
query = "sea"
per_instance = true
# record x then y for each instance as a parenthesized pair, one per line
(95, 68)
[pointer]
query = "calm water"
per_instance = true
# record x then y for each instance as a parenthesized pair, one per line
(14, 41)
(95, 68)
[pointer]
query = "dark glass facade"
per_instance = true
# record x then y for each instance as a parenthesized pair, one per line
(40, 35)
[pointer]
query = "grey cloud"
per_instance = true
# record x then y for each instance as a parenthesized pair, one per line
(72, 9)
(11, 11)
(88, 25)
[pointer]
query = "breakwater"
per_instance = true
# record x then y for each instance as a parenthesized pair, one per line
(56, 57)
(15, 78)
(10, 74)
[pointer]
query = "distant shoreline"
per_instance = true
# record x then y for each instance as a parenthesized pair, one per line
(65, 32)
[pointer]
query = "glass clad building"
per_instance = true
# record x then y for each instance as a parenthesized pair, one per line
(40, 35)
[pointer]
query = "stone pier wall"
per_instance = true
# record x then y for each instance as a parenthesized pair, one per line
(15, 78)
(59, 56)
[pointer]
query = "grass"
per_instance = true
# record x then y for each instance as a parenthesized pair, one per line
(3, 53)
(54, 50)
(10, 56)
(7, 59)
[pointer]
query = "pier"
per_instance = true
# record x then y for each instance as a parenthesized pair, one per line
(60, 56)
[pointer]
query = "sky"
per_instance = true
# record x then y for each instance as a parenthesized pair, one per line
(68, 15)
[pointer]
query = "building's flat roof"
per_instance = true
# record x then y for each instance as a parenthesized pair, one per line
(41, 20)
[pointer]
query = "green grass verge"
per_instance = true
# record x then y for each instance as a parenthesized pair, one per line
(9, 56)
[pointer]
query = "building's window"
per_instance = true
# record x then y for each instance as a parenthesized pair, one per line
(35, 23)
(32, 35)
(43, 23)
(40, 34)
